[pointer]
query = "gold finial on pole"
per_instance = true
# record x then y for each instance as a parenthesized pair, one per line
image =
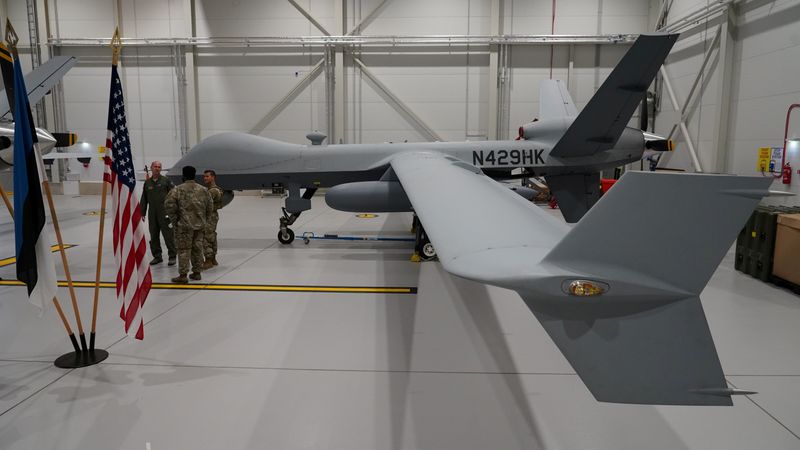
(11, 37)
(116, 47)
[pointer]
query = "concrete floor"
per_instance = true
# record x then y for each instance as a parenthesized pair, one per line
(458, 365)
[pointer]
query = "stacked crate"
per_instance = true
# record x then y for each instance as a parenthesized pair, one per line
(755, 245)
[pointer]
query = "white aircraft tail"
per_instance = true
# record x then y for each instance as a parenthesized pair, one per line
(555, 101)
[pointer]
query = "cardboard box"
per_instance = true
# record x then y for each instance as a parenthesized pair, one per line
(786, 262)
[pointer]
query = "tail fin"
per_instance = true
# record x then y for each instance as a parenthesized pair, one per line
(668, 226)
(657, 353)
(603, 119)
(555, 101)
(576, 193)
(653, 241)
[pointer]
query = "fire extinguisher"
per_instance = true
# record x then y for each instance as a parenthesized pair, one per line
(787, 173)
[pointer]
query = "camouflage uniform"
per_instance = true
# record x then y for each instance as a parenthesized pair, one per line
(189, 206)
(153, 195)
(211, 227)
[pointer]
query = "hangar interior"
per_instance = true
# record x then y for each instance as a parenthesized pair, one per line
(447, 362)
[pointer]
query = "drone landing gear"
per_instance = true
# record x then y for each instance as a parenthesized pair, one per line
(423, 249)
(285, 234)
(295, 205)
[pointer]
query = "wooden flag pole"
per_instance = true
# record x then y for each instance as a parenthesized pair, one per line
(57, 304)
(63, 318)
(63, 252)
(116, 46)
(99, 262)
(12, 39)
(7, 202)
(66, 325)
(82, 356)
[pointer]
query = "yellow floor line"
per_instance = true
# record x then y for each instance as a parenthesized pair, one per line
(247, 287)
(12, 260)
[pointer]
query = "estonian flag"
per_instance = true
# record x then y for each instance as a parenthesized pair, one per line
(35, 266)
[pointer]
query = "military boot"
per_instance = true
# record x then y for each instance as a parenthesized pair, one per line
(172, 261)
(195, 276)
(156, 260)
(180, 279)
(207, 264)
(214, 260)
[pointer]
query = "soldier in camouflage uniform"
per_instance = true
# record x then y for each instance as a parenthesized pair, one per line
(210, 250)
(153, 195)
(189, 206)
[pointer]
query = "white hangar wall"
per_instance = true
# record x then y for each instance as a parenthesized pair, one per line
(233, 89)
(760, 68)
(148, 74)
(448, 88)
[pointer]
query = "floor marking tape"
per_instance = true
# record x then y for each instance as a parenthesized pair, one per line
(12, 260)
(246, 287)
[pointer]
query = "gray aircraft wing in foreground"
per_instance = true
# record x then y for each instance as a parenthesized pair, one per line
(622, 307)
(618, 293)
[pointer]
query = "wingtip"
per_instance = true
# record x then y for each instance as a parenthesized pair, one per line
(780, 194)
(723, 392)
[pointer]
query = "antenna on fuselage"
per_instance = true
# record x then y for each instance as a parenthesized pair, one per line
(316, 138)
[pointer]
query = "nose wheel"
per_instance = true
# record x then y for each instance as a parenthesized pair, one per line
(285, 234)
(295, 204)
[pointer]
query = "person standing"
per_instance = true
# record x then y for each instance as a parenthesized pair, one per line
(154, 193)
(210, 250)
(189, 207)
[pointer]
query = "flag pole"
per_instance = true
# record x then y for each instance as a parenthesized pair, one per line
(99, 262)
(57, 304)
(116, 46)
(11, 40)
(63, 252)
(7, 202)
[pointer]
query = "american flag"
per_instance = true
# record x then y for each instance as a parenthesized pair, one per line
(133, 274)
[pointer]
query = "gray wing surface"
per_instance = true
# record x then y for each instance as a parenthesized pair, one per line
(600, 123)
(646, 339)
(666, 233)
(666, 226)
(40, 80)
(481, 229)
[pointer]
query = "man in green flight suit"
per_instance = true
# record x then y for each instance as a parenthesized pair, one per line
(153, 195)
(189, 207)
(210, 250)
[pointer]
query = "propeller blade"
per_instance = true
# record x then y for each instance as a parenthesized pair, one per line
(65, 139)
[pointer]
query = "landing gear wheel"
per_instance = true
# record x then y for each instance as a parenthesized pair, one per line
(422, 245)
(286, 236)
(428, 252)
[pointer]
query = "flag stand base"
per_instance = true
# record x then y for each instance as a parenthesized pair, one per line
(73, 360)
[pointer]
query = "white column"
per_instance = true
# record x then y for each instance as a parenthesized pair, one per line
(723, 92)
(339, 81)
(496, 20)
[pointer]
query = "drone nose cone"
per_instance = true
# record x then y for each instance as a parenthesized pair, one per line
(46, 141)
